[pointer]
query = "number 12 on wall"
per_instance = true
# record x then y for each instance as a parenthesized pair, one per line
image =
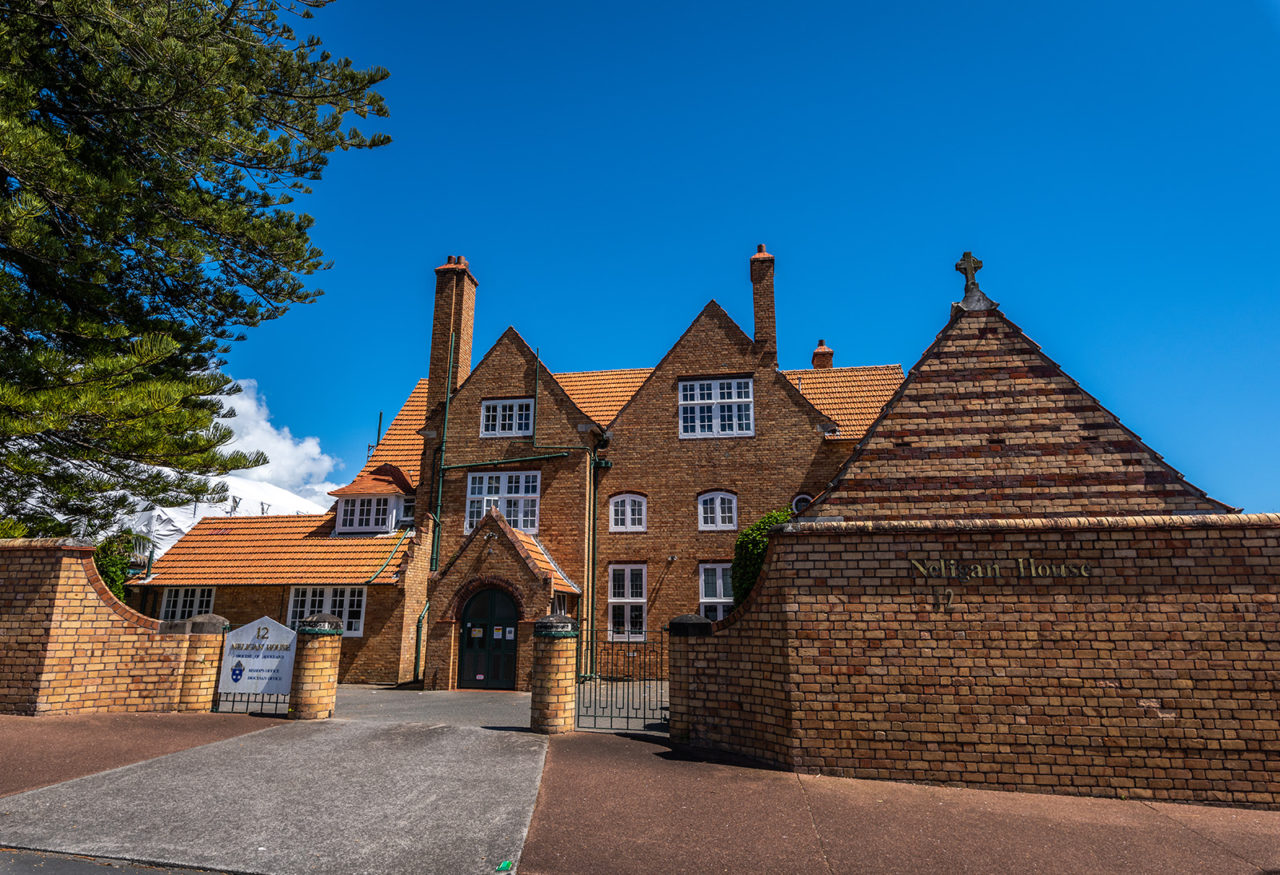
(943, 598)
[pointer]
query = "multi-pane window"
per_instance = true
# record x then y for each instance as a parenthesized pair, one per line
(344, 602)
(513, 416)
(718, 511)
(715, 591)
(406, 509)
(716, 408)
(364, 514)
(514, 493)
(626, 602)
(185, 602)
(627, 513)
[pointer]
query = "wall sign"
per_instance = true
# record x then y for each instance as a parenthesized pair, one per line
(258, 658)
(1022, 566)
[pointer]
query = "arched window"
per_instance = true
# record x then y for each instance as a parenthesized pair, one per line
(717, 511)
(800, 502)
(628, 513)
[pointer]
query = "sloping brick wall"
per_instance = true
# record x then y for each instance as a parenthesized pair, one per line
(987, 425)
(68, 645)
(1134, 656)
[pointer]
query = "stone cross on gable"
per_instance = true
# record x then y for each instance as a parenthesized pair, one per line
(969, 266)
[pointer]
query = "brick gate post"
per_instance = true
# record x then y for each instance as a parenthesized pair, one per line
(555, 684)
(206, 635)
(684, 630)
(315, 668)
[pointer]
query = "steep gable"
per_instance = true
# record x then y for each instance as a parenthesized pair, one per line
(987, 425)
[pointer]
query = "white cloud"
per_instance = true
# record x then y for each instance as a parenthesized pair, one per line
(297, 464)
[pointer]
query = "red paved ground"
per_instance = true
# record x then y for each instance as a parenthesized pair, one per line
(37, 751)
(619, 805)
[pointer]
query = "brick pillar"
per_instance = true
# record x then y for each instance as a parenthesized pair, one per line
(685, 632)
(315, 668)
(205, 637)
(555, 683)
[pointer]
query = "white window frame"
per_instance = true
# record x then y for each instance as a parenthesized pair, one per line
(628, 512)
(715, 602)
(717, 512)
(405, 516)
(511, 492)
(506, 417)
(627, 601)
(716, 407)
(347, 603)
(365, 513)
(808, 500)
(185, 602)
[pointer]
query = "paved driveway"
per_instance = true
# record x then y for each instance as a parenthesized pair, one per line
(400, 781)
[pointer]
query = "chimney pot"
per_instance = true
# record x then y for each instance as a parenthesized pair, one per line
(823, 356)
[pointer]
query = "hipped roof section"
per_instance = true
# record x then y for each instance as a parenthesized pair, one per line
(286, 550)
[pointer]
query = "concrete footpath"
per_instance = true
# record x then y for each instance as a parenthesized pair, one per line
(400, 782)
(631, 805)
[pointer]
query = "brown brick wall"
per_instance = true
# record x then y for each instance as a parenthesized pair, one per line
(986, 425)
(1153, 677)
(68, 645)
(376, 657)
(553, 704)
(787, 455)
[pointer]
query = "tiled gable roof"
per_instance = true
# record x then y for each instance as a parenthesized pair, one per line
(302, 549)
(852, 397)
(601, 394)
(539, 559)
(386, 479)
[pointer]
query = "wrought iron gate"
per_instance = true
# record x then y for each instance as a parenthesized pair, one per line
(622, 685)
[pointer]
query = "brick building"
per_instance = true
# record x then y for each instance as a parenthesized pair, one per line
(503, 492)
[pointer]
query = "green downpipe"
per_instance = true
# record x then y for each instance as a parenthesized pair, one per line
(417, 644)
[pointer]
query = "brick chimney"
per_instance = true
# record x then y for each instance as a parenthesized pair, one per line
(824, 356)
(762, 299)
(455, 313)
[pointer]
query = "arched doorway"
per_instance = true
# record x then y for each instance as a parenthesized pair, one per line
(487, 649)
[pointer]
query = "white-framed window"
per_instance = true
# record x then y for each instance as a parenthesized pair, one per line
(344, 602)
(507, 417)
(628, 513)
(715, 590)
(514, 493)
(627, 602)
(717, 511)
(560, 603)
(369, 513)
(717, 408)
(185, 602)
(407, 503)
(800, 502)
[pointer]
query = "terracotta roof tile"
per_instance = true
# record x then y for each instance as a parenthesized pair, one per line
(302, 549)
(386, 479)
(542, 563)
(601, 394)
(401, 445)
(852, 397)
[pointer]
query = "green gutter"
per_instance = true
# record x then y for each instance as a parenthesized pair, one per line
(390, 555)
(504, 461)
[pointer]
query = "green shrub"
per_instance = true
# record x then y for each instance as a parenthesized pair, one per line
(112, 559)
(749, 550)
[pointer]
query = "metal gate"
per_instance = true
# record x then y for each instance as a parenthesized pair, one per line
(622, 685)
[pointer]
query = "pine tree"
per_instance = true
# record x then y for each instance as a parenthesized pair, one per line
(149, 151)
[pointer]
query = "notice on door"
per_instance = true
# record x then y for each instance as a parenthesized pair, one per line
(258, 658)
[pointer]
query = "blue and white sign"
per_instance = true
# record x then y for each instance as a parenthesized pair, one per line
(258, 658)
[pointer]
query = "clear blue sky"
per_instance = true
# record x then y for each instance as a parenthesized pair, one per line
(608, 168)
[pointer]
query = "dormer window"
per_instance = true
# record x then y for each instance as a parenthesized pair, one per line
(506, 418)
(717, 408)
(364, 514)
